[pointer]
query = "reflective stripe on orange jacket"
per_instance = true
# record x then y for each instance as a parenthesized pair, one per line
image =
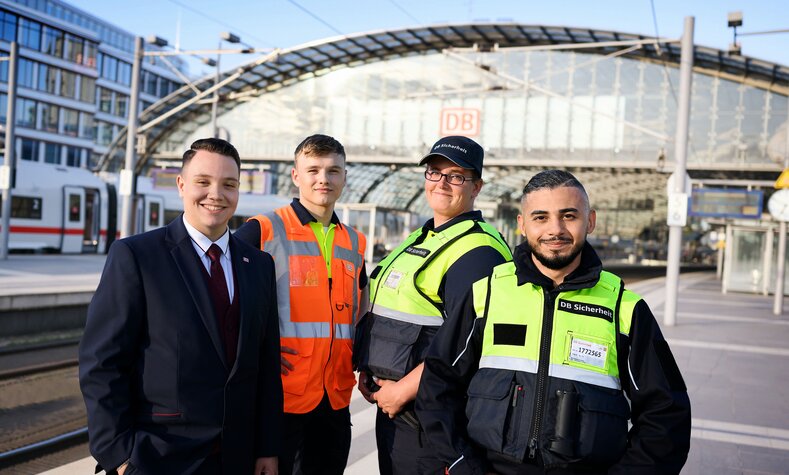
(316, 318)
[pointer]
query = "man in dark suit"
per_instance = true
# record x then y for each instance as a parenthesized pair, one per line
(179, 363)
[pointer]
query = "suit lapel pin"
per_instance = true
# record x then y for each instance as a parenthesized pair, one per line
(245, 259)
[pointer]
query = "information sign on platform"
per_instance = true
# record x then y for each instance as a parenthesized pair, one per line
(726, 203)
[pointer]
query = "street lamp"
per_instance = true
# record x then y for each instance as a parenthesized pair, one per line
(230, 38)
(735, 20)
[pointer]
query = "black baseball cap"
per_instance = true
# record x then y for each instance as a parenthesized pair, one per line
(462, 151)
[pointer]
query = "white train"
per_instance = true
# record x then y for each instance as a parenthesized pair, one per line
(72, 210)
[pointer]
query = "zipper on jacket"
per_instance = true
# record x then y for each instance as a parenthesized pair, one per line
(542, 370)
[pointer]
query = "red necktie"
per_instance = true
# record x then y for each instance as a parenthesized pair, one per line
(217, 286)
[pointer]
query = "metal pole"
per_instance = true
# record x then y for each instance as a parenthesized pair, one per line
(680, 153)
(215, 104)
(10, 148)
(780, 270)
(128, 175)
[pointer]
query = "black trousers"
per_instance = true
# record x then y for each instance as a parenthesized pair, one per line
(403, 450)
(317, 442)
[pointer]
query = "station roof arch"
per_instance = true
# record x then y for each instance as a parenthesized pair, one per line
(176, 116)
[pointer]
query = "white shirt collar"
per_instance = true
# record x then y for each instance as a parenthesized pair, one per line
(203, 242)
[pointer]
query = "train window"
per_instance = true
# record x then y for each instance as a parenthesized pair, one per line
(171, 214)
(74, 207)
(153, 214)
(24, 207)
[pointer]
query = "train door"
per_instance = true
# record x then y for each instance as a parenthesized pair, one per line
(73, 228)
(90, 235)
(154, 212)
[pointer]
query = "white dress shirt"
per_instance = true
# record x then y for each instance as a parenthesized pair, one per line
(201, 243)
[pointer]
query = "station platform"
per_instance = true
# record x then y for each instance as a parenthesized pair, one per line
(731, 349)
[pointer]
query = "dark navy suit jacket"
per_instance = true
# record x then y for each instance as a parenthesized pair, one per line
(152, 367)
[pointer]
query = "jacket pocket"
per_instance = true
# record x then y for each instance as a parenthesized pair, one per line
(492, 410)
(295, 382)
(602, 425)
(344, 379)
(391, 348)
(155, 414)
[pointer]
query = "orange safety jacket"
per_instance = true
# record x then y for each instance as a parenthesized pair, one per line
(316, 317)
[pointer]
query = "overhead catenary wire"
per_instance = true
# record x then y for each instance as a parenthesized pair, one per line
(220, 22)
(405, 12)
(316, 17)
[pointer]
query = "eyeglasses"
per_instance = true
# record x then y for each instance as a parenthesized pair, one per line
(451, 178)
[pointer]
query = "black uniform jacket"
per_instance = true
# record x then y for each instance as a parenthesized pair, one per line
(158, 389)
(659, 439)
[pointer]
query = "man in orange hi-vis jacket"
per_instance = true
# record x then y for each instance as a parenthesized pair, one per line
(321, 291)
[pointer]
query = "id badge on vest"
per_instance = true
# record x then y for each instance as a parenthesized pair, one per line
(587, 351)
(393, 279)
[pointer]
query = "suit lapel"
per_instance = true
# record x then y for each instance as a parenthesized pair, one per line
(244, 290)
(189, 264)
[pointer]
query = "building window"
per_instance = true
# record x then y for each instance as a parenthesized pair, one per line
(104, 133)
(70, 122)
(50, 117)
(3, 71)
(89, 59)
(25, 113)
(3, 107)
(87, 89)
(85, 125)
(52, 153)
(26, 74)
(47, 78)
(7, 26)
(29, 150)
(73, 157)
(30, 33)
(124, 73)
(52, 42)
(105, 100)
(74, 46)
(121, 104)
(68, 84)
(149, 85)
(109, 68)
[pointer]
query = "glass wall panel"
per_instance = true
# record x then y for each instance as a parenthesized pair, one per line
(7, 26)
(68, 84)
(29, 149)
(25, 112)
(29, 33)
(52, 153)
(26, 74)
(74, 48)
(70, 122)
(50, 117)
(87, 89)
(52, 41)
(47, 78)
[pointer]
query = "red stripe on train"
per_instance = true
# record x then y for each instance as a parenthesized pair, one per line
(43, 230)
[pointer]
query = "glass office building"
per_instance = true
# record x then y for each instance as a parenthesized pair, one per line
(73, 78)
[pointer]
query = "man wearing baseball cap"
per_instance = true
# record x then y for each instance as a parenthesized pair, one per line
(411, 292)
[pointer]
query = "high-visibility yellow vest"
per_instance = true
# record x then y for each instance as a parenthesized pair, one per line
(548, 377)
(405, 306)
(316, 315)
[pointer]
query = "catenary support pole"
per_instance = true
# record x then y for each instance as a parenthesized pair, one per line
(128, 174)
(10, 148)
(680, 170)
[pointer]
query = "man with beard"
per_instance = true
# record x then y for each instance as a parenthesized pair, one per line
(536, 374)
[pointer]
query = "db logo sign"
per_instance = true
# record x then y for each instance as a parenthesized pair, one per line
(460, 122)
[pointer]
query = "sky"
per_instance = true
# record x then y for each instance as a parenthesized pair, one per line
(197, 24)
